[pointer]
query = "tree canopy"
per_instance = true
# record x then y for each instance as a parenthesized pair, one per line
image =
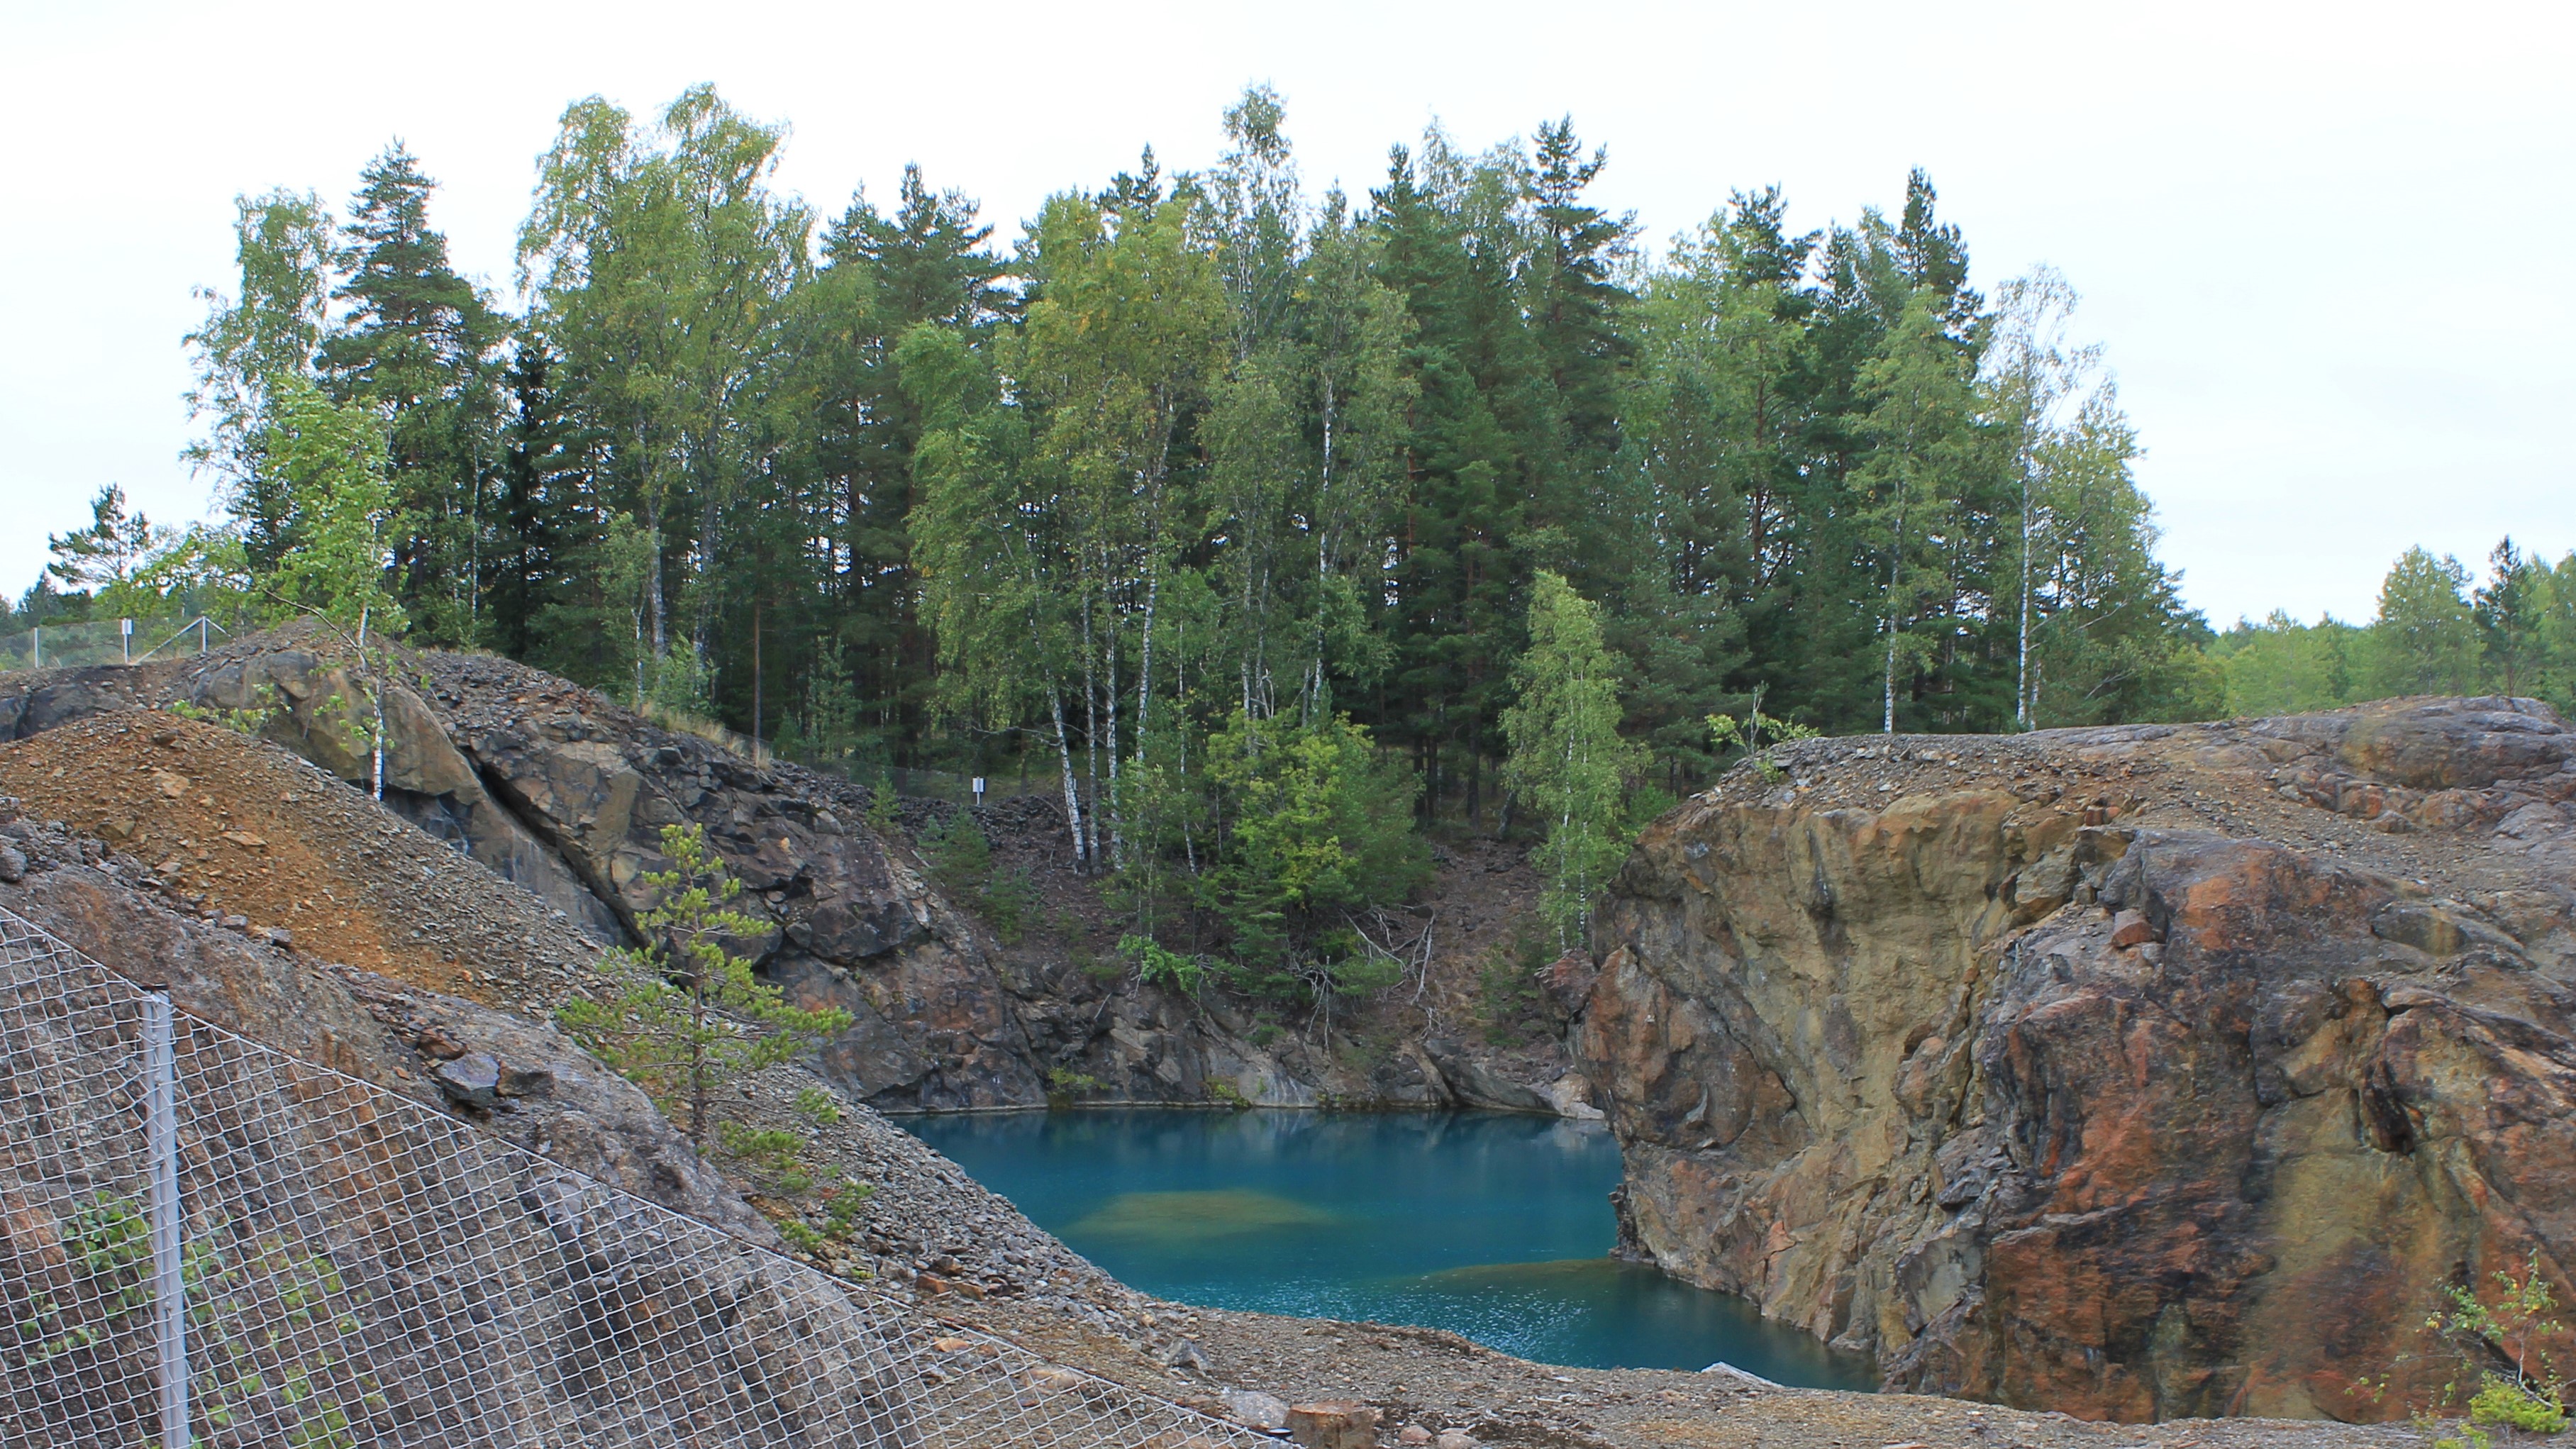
(1232, 511)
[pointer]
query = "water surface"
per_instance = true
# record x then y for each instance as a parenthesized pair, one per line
(1492, 1225)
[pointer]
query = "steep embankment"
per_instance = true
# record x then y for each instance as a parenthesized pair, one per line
(2133, 1073)
(562, 792)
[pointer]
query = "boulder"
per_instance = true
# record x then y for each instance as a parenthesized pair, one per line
(472, 1080)
(1333, 1424)
(1255, 1408)
(1475, 1084)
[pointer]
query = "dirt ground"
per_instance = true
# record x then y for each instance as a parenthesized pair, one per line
(1439, 1380)
(234, 826)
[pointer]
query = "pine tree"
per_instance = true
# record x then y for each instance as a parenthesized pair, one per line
(107, 554)
(1451, 245)
(929, 263)
(2509, 609)
(418, 341)
(682, 1016)
(538, 525)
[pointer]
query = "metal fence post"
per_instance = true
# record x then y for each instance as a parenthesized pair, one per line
(169, 1286)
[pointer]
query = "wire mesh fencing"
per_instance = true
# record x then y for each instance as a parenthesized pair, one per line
(208, 1242)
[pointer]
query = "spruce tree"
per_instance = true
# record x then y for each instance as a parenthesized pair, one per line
(418, 341)
(2509, 608)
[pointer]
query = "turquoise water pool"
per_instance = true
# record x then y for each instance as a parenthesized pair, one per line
(1491, 1225)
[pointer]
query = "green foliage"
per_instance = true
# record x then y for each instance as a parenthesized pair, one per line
(2512, 611)
(2425, 640)
(1211, 454)
(106, 1242)
(959, 856)
(2503, 1343)
(289, 1375)
(250, 721)
(776, 1152)
(1227, 1095)
(419, 344)
(328, 459)
(1748, 736)
(683, 1014)
(106, 556)
(883, 815)
(1314, 821)
(845, 1202)
(1354, 970)
(825, 730)
(817, 1107)
(1725, 732)
(1568, 762)
(2500, 1400)
(1010, 898)
(262, 337)
(1156, 966)
(2514, 1322)
(1507, 994)
(2284, 667)
(1064, 1084)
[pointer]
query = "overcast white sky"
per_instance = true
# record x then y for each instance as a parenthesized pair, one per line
(2325, 245)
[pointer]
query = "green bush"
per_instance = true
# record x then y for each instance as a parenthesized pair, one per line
(1010, 899)
(1316, 823)
(1506, 989)
(1064, 1084)
(2514, 1323)
(1156, 966)
(959, 857)
(2519, 1406)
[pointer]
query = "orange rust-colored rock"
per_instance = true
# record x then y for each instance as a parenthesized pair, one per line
(1333, 1424)
(2194, 1113)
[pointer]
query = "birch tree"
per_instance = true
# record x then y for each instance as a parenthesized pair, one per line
(1568, 764)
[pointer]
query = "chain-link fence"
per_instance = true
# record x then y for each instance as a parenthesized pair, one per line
(109, 641)
(205, 1241)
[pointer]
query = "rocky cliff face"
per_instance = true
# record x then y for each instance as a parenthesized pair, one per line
(2134, 1073)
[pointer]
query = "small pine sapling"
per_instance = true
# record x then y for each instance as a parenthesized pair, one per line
(683, 1014)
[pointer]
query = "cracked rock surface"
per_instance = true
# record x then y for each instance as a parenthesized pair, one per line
(2136, 1073)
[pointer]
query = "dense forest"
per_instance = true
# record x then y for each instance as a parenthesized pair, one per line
(1251, 521)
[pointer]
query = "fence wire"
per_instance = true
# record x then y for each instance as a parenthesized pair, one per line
(354, 1268)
